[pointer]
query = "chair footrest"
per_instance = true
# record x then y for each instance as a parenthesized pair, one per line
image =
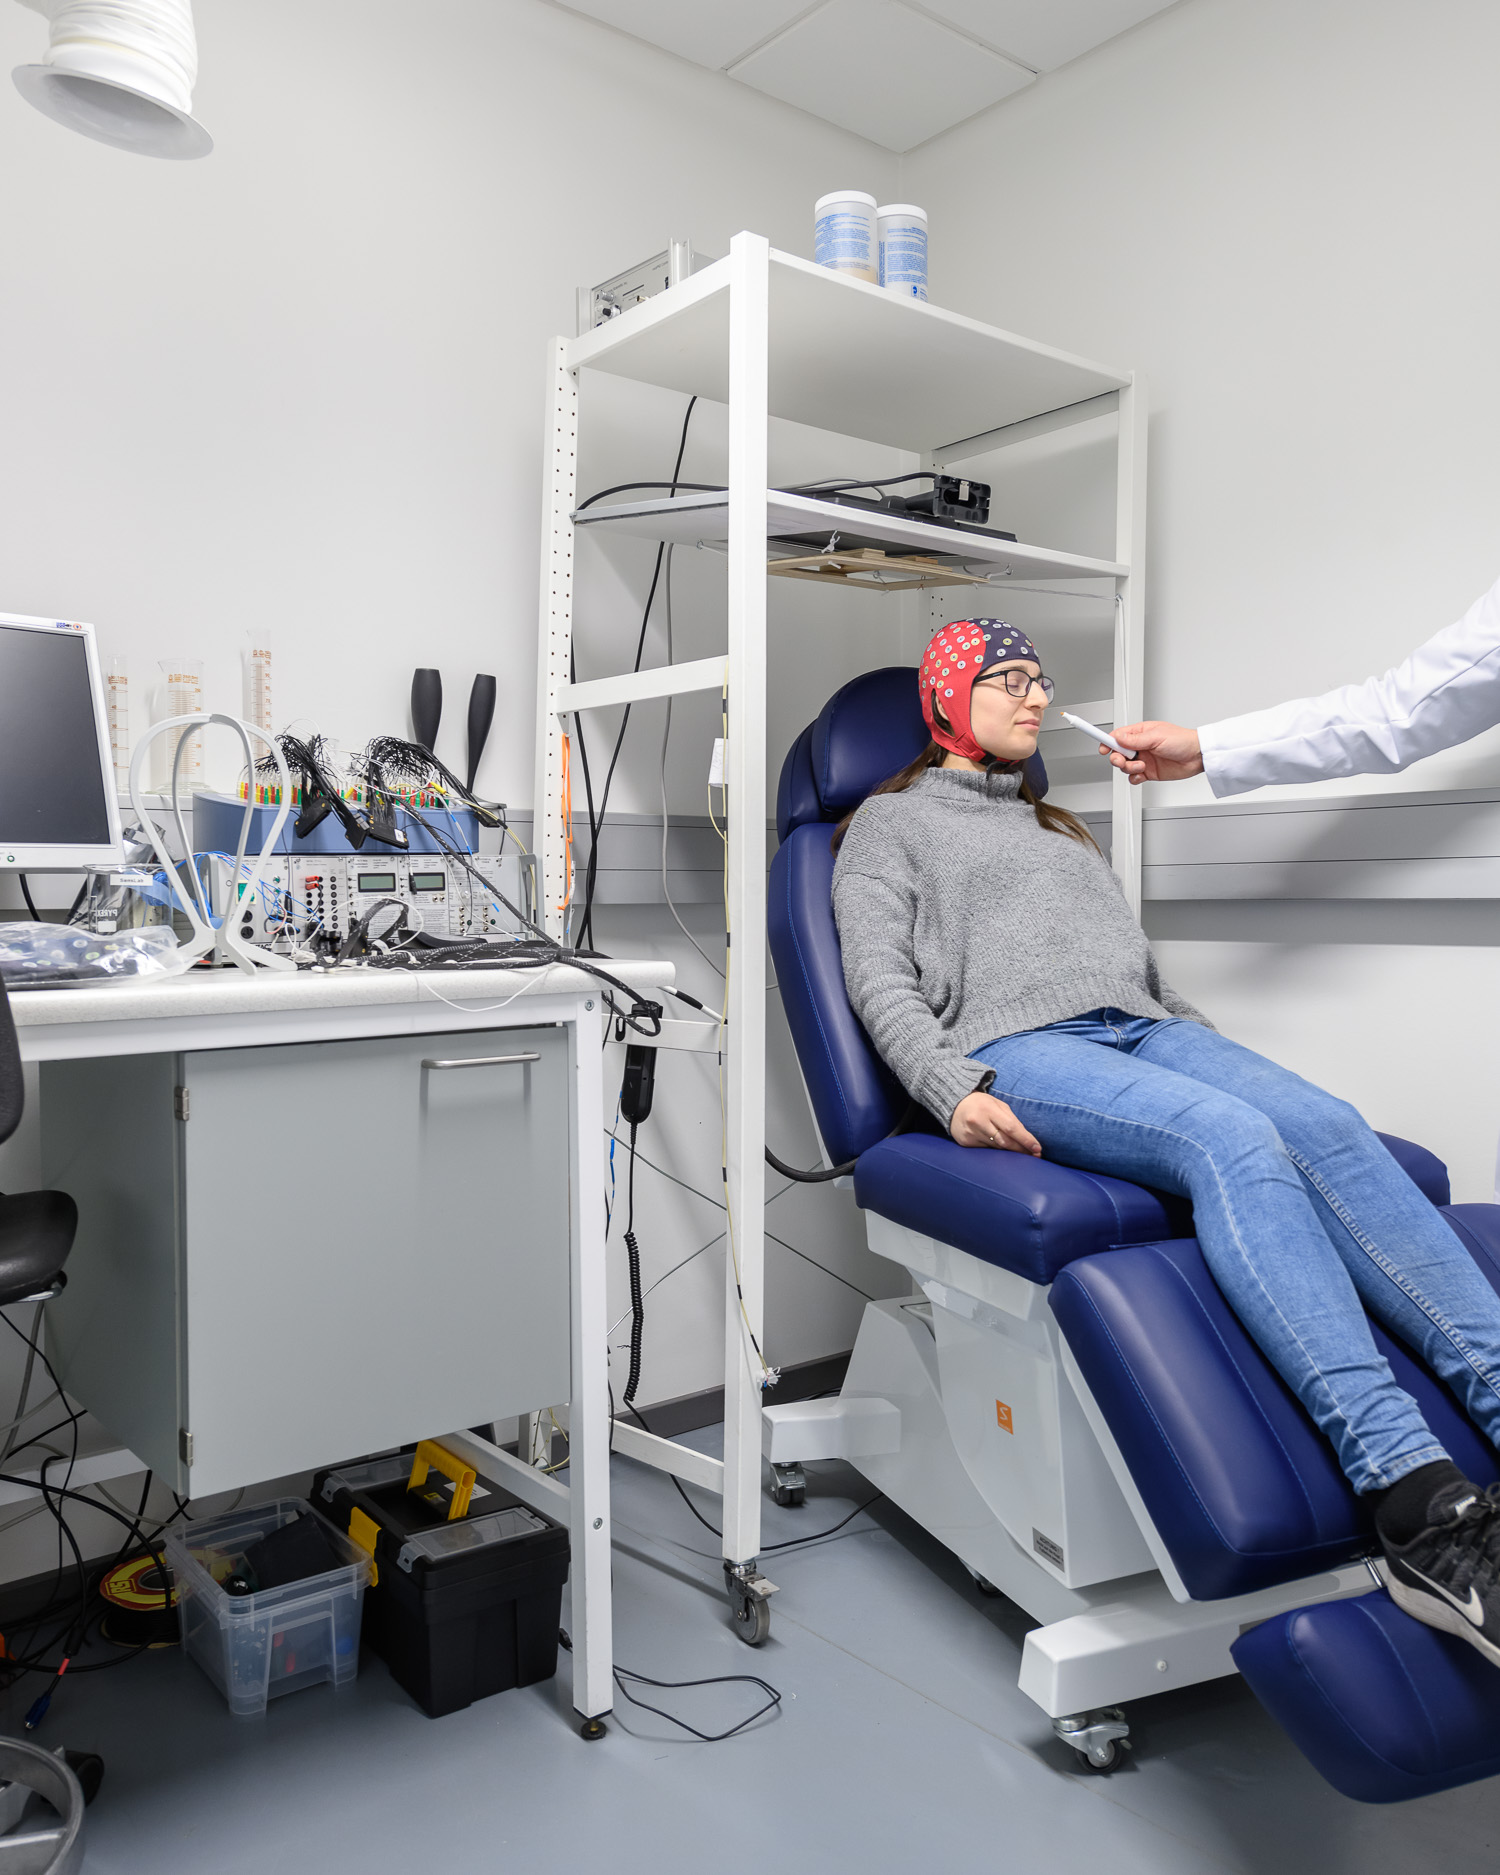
(1384, 1707)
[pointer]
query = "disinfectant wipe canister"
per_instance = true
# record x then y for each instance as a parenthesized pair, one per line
(844, 234)
(903, 249)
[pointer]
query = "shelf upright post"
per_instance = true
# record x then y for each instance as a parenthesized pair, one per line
(555, 638)
(1130, 633)
(745, 1012)
(588, 1413)
(588, 1406)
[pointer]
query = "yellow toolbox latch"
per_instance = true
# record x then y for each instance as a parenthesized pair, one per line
(430, 1454)
(364, 1530)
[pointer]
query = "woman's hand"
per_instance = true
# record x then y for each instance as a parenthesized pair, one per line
(981, 1120)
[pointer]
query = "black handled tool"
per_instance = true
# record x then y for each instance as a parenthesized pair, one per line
(481, 715)
(426, 707)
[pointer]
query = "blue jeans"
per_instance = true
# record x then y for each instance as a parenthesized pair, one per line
(1304, 1218)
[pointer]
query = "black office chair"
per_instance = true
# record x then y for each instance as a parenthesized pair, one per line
(36, 1234)
(36, 1227)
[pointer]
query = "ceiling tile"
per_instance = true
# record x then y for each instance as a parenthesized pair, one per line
(879, 69)
(1045, 33)
(709, 32)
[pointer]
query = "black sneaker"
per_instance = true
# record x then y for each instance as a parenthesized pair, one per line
(1448, 1575)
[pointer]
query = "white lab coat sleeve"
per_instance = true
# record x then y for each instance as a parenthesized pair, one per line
(1447, 691)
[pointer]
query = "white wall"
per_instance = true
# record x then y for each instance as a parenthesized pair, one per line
(302, 381)
(1286, 216)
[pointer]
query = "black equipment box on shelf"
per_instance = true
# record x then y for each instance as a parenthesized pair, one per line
(460, 1609)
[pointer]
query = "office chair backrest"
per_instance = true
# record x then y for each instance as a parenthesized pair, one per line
(864, 733)
(12, 1088)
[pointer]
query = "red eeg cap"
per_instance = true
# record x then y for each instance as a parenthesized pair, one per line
(960, 653)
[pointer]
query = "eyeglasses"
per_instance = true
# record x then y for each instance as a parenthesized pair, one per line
(1019, 683)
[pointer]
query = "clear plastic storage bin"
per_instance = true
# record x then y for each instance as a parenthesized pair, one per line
(256, 1647)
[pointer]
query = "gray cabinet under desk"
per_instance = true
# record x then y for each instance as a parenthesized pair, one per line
(291, 1255)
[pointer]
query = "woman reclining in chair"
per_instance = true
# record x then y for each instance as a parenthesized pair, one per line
(994, 963)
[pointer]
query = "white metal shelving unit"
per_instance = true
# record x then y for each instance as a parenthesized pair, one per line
(773, 335)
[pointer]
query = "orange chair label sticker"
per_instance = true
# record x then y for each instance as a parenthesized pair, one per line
(1003, 1417)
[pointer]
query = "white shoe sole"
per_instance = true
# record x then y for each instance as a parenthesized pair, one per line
(1433, 1612)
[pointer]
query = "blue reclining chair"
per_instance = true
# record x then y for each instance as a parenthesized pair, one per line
(1072, 1408)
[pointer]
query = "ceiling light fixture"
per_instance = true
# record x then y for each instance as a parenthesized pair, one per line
(120, 71)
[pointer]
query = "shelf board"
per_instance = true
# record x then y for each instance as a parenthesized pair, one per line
(848, 357)
(688, 520)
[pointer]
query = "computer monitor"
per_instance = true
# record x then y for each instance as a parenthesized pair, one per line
(58, 811)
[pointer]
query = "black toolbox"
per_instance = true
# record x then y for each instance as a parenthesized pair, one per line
(460, 1609)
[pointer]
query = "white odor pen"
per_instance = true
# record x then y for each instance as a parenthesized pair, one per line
(1099, 735)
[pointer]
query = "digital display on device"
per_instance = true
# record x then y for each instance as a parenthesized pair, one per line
(376, 882)
(52, 779)
(427, 881)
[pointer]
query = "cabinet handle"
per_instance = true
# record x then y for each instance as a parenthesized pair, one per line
(479, 1061)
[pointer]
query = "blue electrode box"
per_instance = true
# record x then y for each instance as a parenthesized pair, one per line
(216, 829)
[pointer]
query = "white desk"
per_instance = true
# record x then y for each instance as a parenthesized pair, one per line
(194, 1020)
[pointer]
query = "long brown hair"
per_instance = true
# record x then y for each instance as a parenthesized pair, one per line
(1054, 819)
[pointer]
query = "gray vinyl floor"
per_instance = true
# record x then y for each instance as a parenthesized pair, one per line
(901, 1744)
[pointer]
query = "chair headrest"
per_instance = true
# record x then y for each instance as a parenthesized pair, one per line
(866, 731)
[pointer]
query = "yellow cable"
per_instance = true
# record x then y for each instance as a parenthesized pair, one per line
(567, 812)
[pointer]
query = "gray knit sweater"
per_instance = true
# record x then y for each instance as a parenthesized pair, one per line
(962, 920)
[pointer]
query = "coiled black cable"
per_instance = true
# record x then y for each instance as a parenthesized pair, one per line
(637, 1300)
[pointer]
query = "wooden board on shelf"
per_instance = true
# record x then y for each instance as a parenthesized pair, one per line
(874, 570)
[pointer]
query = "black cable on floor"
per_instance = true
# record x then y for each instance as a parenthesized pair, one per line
(71, 1419)
(622, 1674)
(818, 1535)
(765, 1548)
(57, 1611)
(74, 1609)
(64, 1491)
(773, 1699)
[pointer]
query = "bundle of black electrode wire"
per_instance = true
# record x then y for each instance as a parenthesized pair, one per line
(388, 771)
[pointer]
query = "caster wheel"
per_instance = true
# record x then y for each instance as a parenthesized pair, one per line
(789, 1496)
(592, 1729)
(1099, 1739)
(88, 1768)
(985, 1586)
(752, 1620)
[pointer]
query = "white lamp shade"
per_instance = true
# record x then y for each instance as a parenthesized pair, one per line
(121, 72)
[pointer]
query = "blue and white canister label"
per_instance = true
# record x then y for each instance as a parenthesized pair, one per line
(903, 257)
(844, 239)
